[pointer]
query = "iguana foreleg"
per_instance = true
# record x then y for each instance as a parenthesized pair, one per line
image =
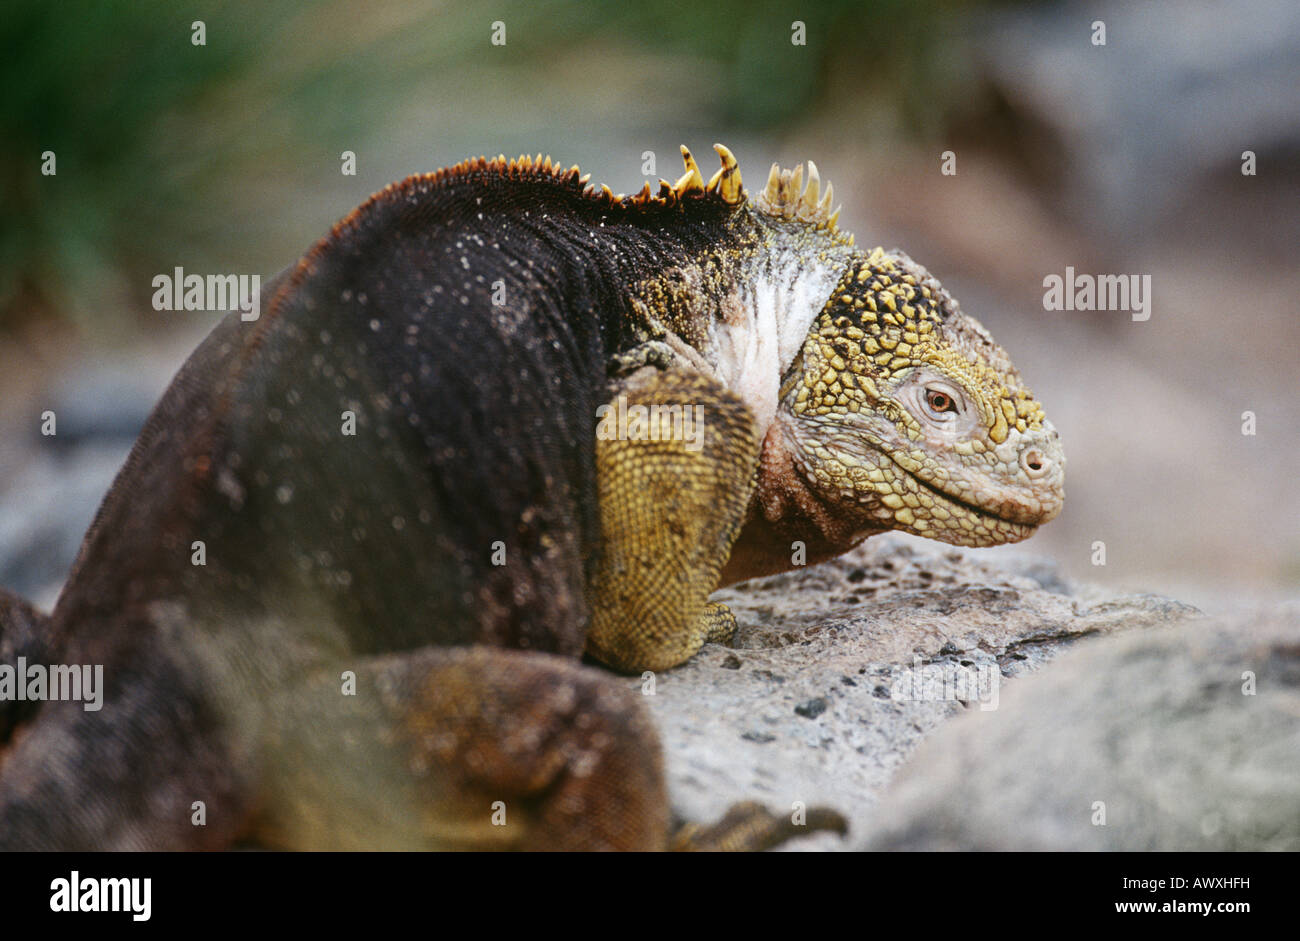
(675, 458)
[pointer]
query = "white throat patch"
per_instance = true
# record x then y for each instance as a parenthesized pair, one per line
(767, 322)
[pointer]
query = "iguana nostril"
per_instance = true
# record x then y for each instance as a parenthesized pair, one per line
(1035, 462)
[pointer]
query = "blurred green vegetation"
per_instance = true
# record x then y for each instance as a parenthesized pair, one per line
(166, 151)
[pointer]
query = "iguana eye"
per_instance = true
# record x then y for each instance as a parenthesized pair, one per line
(939, 402)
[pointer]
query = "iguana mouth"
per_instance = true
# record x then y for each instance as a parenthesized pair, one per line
(971, 508)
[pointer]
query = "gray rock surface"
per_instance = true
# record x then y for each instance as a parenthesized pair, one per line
(1128, 122)
(50, 487)
(1156, 725)
(46, 505)
(838, 672)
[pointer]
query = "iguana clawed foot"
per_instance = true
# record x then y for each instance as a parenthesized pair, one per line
(719, 623)
(748, 826)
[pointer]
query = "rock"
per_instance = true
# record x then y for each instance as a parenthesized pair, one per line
(51, 486)
(839, 671)
(1172, 68)
(45, 508)
(106, 401)
(1157, 726)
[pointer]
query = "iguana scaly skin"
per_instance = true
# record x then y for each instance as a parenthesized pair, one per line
(487, 521)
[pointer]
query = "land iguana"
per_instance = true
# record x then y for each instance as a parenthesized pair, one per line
(343, 584)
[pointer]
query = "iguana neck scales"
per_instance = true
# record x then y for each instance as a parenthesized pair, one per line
(404, 457)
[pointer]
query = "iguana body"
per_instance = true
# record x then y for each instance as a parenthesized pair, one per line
(481, 529)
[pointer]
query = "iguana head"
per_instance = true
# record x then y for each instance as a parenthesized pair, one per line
(903, 412)
(897, 412)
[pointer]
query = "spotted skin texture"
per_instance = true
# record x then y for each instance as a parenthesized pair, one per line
(342, 586)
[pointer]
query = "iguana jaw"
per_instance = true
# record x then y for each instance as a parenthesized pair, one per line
(801, 516)
(838, 485)
(915, 503)
(883, 468)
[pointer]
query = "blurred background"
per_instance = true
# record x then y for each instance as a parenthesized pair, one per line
(1122, 158)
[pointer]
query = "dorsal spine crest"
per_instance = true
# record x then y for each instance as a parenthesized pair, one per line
(784, 197)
